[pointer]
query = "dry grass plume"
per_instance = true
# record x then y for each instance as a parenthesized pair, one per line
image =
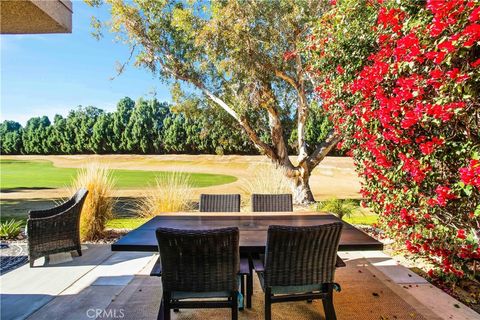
(98, 206)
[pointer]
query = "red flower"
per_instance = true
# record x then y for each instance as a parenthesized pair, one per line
(444, 194)
(410, 119)
(461, 234)
(475, 15)
(471, 175)
(472, 34)
(447, 46)
(475, 63)
(340, 69)
(453, 73)
(428, 147)
(288, 55)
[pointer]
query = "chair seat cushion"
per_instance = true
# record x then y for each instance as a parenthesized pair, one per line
(291, 289)
(180, 295)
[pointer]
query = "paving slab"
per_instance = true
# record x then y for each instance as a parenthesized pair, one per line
(93, 292)
(117, 269)
(113, 281)
(106, 285)
(80, 306)
(396, 272)
(443, 305)
(139, 300)
(26, 289)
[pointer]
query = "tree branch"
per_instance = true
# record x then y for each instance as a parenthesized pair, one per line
(302, 112)
(276, 127)
(282, 75)
(323, 149)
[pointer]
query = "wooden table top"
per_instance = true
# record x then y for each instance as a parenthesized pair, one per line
(253, 229)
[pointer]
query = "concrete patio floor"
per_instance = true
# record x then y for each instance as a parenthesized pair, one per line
(106, 285)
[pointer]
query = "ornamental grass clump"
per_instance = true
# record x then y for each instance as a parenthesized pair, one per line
(171, 193)
(268, 179)
(98, 206)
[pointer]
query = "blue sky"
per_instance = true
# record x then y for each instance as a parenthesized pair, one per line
(46, 74)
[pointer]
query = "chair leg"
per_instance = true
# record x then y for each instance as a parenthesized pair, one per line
(234, 305)
(242, 288)
(79, 251)
(161, 311)
(166, 306)
(328, 304)
(268, 304)
(249, 290)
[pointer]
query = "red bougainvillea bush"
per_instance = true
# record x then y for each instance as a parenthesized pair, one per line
(401, 81)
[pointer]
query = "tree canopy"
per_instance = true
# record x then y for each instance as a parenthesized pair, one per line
(143, 127)
(240, 56)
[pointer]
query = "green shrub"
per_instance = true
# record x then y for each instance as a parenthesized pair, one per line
(10, 229)
(343, 208)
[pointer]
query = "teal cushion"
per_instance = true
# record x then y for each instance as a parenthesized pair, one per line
(179, 295)
(290, 289)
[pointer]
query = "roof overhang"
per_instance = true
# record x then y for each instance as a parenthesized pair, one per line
(35, 16)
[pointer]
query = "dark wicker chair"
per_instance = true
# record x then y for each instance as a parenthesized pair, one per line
(272, 202)
(230, 203)
(199, 264)
(219, 203)
(300, 265)
(57, 229)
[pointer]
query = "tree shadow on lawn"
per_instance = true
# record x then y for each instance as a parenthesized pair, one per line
(19, 208)
(21, 189)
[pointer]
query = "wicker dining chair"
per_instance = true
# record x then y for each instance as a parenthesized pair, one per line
(272, 202)
(199, 264)
(219, 203)
(231, 203)
(300, 265)
(57, 229)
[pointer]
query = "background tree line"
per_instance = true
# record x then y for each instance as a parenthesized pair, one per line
(145, 127)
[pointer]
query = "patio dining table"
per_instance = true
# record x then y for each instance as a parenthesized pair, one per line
(253, 229)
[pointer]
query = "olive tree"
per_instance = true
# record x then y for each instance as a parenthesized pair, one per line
(238, 55)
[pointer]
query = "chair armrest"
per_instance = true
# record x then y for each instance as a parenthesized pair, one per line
(340, 263)
(36, 214)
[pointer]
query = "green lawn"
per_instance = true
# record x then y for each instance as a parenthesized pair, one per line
(367, 219)
(20, 174)
(126, 223)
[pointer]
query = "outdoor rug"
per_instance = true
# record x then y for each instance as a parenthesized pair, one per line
(12, 256)
(363, 296)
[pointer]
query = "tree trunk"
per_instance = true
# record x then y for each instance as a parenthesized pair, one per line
(300, 183)
(302, 194)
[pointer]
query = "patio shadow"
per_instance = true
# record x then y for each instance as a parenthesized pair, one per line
(20, 306)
